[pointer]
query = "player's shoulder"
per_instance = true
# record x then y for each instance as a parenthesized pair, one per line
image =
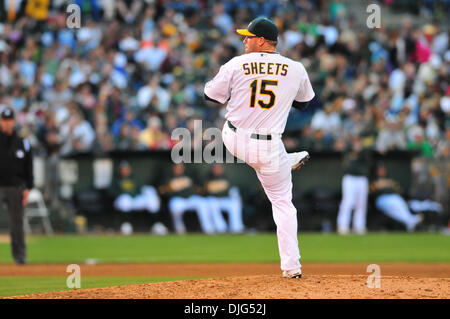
(232, 63)
(295, 63)
(240, 58)
(237, 61)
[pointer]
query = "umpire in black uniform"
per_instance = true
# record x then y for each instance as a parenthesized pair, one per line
(16, 180)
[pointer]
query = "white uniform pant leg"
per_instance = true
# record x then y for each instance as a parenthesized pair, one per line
(201, 206)
(124, 203)
(151, 198)
(278, 188)
(274, 172)
(272, 166)
(394, 206)
(177, 207)
(348, 202)
(362, 193)
(233, 207)
(139, 202)
(216, 214)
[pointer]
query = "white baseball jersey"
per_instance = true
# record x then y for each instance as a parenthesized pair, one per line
(260, 88)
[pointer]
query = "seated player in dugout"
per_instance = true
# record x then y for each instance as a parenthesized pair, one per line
(129, 195)
(184, 196)
(222, 197)
(388, 199)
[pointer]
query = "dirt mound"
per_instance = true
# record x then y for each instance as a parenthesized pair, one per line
(268, 287)
(348, 281)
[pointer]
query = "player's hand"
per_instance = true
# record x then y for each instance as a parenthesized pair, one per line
(25, 196)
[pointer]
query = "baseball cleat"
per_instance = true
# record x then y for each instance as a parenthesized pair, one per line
(298, 159)
(287, 274)
(343, 231)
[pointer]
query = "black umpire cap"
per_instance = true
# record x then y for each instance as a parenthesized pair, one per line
(7, 113)
(261, 27)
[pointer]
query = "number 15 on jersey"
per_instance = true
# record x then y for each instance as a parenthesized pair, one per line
(263, 90)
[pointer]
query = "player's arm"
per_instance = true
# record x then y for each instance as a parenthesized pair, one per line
(218, 90)
(207, 98)
(305, 91)
(27, 171)
(300, 105)
(28, 165)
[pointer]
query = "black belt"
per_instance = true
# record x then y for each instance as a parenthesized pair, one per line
(254, 135)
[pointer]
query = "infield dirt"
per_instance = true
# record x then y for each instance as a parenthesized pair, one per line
(252, 281)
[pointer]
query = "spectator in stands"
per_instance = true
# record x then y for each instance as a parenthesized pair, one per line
(154, 57)
(129, 120)
(417, 142)
(391, 137)
(129, 10)
(79, 134)
(152, 137)
(153, 96)
(327, 120)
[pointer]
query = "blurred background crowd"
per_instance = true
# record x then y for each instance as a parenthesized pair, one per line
(135, 70)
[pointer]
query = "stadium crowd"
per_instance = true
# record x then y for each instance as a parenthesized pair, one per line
(135, 70)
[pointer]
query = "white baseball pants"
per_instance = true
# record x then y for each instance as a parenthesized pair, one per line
(270, 161)
(179, 205)
(394, 206)
(355, 190)
(148, 200)
(233, 207)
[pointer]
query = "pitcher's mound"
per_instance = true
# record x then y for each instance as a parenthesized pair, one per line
(269, 287)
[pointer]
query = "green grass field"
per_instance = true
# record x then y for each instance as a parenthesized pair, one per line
(380, 247)
(371, 248)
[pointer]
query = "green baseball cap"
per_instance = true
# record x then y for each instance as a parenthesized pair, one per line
(261, 27)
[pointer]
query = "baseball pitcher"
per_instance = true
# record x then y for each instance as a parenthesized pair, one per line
(260, 87)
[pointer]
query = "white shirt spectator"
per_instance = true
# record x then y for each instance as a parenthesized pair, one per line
(292, 38)
(152, 57)
(5, 75)
(327, 122)
(90, 37)
(221, 19)
(440, 43)
(28, 71)
(129, 44)
(223, 22)
(391, 137)
(397, 80)
(76, 78)
(85, 134)
(445, 104)
(330, 33)
(15, 3)
(57, 98)
(146, 93)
